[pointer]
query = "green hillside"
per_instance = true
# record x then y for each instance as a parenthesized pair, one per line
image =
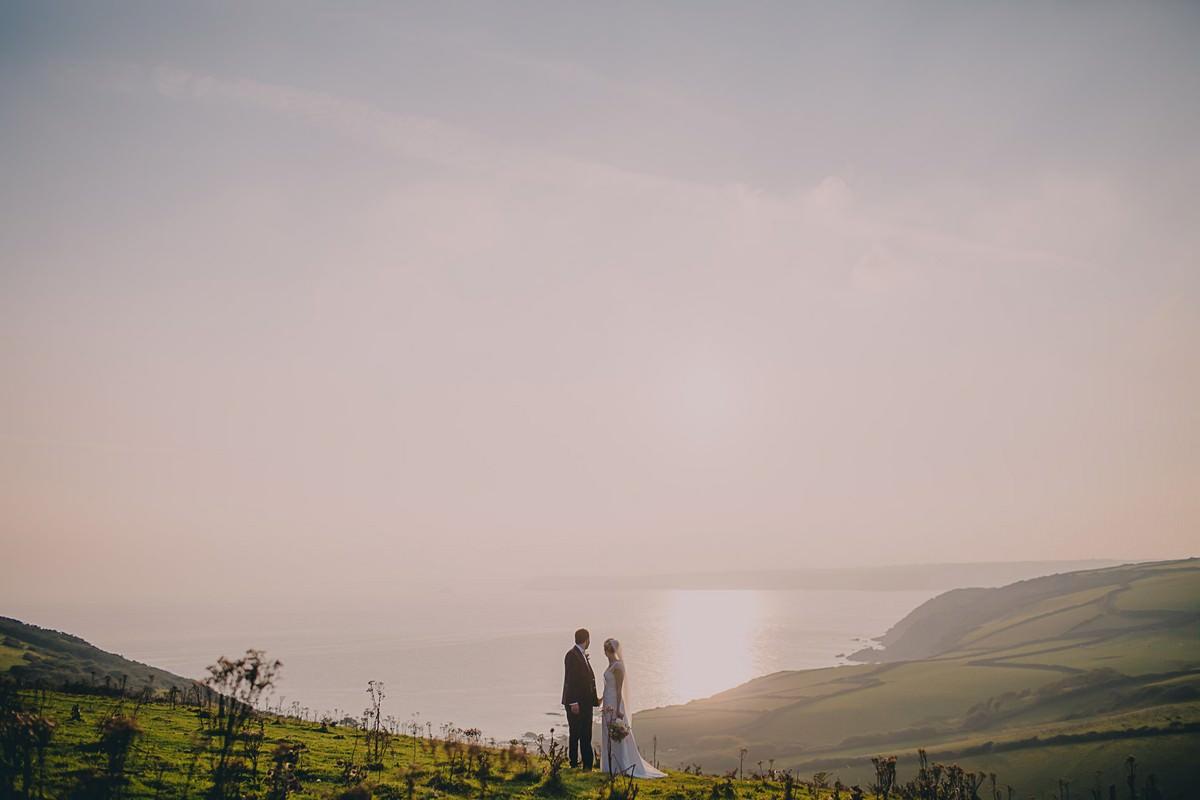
(1057, 677)
(171, 757)
(39, 656)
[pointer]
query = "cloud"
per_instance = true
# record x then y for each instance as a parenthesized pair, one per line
(873, 247)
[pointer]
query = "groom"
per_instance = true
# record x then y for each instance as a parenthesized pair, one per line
(579, 698)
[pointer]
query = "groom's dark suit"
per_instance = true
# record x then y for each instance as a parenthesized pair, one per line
(579, 686)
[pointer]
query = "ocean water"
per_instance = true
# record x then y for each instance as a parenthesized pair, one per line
(491, 657)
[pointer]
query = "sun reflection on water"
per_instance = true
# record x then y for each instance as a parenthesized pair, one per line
(711, 639)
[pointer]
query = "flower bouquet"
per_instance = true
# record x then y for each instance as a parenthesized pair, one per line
(618, 729)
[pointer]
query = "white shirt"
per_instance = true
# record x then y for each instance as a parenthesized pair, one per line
(579, 647)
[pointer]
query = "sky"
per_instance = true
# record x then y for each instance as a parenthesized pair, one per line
(378, 295)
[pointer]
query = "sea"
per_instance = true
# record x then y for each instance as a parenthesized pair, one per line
(491, 656)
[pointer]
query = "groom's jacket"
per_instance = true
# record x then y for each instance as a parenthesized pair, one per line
(579, 682)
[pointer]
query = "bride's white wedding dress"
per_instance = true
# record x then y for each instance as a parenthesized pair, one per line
(625, 757)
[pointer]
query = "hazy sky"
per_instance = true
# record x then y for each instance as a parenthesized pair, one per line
(378, 293)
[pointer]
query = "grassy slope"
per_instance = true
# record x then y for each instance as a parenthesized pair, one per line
(1081, 655)
(169, 734)
(39, 654)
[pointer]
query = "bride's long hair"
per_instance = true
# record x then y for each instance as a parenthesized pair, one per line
(613, 646)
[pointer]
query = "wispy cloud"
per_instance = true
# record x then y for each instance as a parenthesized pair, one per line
(889, 252)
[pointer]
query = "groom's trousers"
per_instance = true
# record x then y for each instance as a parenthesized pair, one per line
(579, 743)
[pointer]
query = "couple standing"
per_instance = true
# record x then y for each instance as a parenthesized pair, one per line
(619, 753)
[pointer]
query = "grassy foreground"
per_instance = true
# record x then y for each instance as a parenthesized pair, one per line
(170, 758)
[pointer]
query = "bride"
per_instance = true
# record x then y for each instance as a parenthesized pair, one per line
(619, 756)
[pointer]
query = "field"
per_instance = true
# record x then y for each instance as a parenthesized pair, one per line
(1056, 678)
(171, 759)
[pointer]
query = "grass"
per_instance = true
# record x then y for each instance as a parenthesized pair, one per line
(1051, 605)
(11, 656)
(165, 753)
(1175, 592)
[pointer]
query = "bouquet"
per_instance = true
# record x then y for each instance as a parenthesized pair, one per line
(618, 729)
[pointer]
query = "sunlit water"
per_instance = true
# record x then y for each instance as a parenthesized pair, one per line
(493, 659)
